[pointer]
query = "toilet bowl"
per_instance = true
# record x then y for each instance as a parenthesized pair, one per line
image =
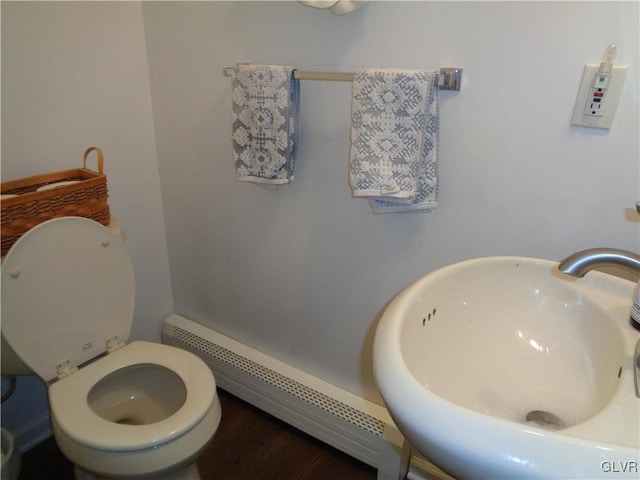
(138, 410)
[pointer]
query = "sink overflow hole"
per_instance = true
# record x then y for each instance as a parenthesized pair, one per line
(428, 317)
(543, 419)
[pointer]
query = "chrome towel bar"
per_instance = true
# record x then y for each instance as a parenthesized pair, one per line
(449, 78)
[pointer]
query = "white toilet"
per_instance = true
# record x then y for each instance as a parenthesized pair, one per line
(141, 410)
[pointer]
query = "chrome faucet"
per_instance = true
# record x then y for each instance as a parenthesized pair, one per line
(579, 263)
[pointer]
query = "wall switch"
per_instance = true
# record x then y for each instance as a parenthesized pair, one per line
(598, 97)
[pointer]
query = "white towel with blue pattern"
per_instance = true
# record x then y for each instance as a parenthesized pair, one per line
(394, 139)
(265, 111)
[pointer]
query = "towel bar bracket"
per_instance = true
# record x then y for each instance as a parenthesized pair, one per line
(449, 78)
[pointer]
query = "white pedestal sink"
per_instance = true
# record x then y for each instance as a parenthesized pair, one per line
(502, 367)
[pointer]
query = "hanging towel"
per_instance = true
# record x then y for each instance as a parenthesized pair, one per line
(394, 139)
(266, 106)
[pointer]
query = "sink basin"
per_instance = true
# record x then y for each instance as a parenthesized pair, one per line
(502, 367)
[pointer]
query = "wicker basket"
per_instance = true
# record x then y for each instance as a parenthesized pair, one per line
(30, 201)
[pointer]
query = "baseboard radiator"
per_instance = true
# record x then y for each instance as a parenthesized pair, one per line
(345, 421)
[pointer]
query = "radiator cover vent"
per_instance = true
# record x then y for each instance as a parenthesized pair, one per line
(275, 379)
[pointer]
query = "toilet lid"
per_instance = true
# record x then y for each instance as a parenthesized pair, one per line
(67, 287)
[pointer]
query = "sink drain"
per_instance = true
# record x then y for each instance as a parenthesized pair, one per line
(543, 419)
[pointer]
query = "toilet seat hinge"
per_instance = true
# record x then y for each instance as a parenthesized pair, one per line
(113, 344)
(64, 369)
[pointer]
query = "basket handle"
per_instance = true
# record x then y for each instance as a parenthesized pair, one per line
(100, 158)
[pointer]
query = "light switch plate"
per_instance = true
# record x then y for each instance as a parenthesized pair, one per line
(611, 98)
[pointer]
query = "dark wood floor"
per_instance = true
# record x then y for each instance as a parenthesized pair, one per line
(249, 445)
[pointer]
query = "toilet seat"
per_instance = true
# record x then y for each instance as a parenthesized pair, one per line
(68, 292)
(68, 398)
